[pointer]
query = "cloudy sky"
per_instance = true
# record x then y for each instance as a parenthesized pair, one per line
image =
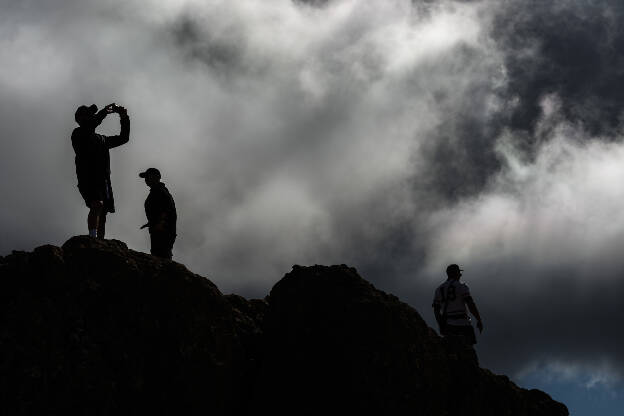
(395, 136)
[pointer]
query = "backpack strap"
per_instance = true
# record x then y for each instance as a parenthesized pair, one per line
(444, 316)
(446, 302)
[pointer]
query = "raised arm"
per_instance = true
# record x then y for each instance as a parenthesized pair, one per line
(124, 134)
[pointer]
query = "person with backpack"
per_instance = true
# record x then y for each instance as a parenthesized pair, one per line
(449, 306)
(161, 214)
(93, 162)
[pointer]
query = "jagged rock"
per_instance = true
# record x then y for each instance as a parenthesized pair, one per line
(95, 328)
(248, 320)
(333, 341)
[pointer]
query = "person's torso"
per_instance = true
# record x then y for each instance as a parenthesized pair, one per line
(159, 202)
(92, 156)
(453, 295)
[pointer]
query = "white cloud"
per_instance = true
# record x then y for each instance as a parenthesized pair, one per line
(562, 207)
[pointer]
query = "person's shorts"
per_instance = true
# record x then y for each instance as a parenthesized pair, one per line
(97, 192)
(466, 332)
(162, 244)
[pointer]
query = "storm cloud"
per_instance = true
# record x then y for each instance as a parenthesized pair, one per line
(394, 136)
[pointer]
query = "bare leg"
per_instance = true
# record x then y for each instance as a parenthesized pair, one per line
(96, 208)
(101, 228)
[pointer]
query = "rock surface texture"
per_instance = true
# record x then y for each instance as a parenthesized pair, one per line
(94, 328)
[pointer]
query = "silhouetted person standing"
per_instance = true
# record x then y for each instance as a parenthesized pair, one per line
(449, 306)
(161, 215)
(93, 162)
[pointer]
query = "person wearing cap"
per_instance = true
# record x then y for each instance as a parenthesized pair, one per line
(161, 215)
(449, 306)
(93, 162)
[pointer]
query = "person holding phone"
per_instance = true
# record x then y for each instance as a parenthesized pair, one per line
(93, 162)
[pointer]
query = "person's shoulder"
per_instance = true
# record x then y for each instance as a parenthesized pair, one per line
(84, 133)
(79, 137)
(165, 189)
(160, 189)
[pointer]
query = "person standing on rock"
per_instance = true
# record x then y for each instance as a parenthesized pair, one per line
(449, 306)
(161, 215)
(93, 162)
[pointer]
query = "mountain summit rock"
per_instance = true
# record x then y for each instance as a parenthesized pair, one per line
(94, 328)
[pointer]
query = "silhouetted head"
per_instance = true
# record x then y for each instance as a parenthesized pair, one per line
(453, 271)
(88, 116)
(151, 176)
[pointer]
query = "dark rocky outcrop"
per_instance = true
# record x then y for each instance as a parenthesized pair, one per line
(95, 328)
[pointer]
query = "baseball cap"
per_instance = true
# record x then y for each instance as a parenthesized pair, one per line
(83, 111)
(150, 171)
(452, 267)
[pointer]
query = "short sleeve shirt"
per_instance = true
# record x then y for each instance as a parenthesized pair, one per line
(452, 296)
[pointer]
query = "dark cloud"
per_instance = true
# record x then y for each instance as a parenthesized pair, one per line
(222, 53)
(463, 145)
(393, 136)
(571, 48)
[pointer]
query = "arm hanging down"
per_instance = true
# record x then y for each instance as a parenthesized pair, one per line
(439, 318)
(437, 305)
(472, 306)
(124, 134)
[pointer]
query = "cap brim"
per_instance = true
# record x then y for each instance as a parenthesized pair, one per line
(142, 175)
